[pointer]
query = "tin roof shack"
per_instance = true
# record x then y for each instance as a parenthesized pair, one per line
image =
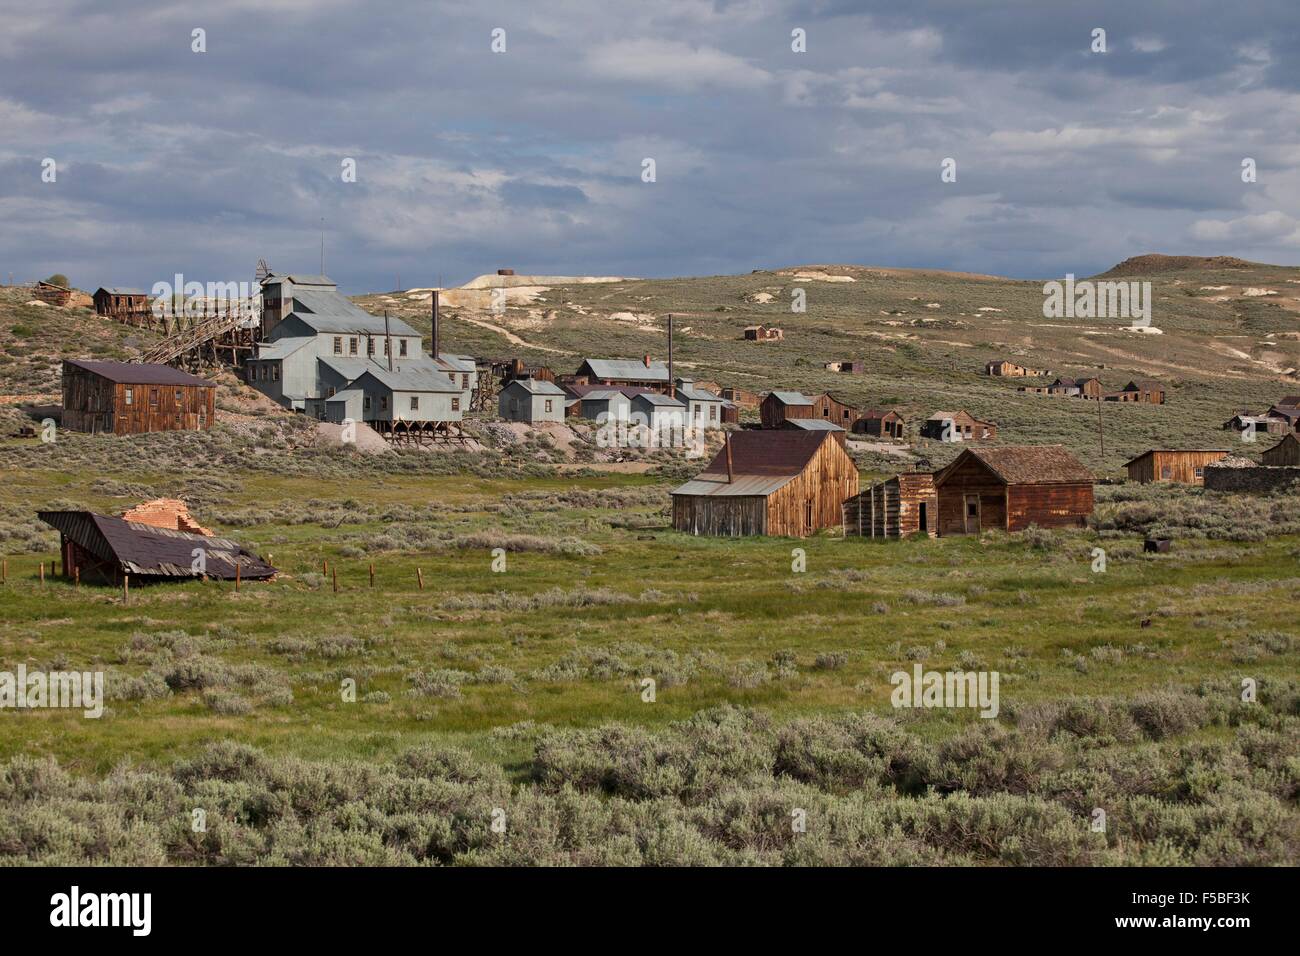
(898, 507)
(531, 400)
(1182, 465)
(124, 305)
(411, 393)
(778, 406)
(816, 425)
(763, 333)
(830, 409)
(606, 405)
(1267, 424)
(957, 426)
(1011, 488)
(124, 398)
(1285, 452)
(99, 548)
(662, 417)
(789, 483)
(623, 372)
(882, 422)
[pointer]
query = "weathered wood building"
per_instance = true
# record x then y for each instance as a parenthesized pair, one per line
(1285, 452)
(130, 306)
(778, 406)
(790, 483)
(1008, 369)
(828, 408)
(742, 397)
(882, 422)
(647, 373)
(52, 294)
(1011, 488)
(816, 425)
(898, 507)
(1145, 390)
(1181, 465)
(763, 333)
(126, 398)
(958, 426)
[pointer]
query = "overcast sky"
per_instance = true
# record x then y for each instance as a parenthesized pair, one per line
(468, 160)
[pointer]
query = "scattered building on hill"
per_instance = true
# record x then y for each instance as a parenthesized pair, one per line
(1011, 488)
(1285, 452)
(780, 405)
(52, 294)
(1009, 369)
(124, 398)
(130, 306)
(1152, 393)
(606, 405)
(1181, 465)
(1266, 424)
(847, 367)
(1076, 388)
(742, 397)
(880, 422)
(531, 400)
(664, 417)
(646, 373)
(1288, 401)
(898, 507)
(704, 408)
(97, 548)
(789, 483)
(828, 408)
(958, 426)
(763, 333)
(516, 368)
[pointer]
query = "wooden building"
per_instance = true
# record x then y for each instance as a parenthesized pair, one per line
(742, 397)
(958, 426)
(1285, 452)
(1011, 488)
(847, 366)
(647, 373)
(815, 425)
(1182, 465)
(52, 294)
(881, 422)
(1261, 424)
(1011, 370)
(828, 408)
(763, 333)
(1145, 390)
(126, 399)
(778, 406)
(790, 483)
(899, 507)
(100, 549)
(130, 306)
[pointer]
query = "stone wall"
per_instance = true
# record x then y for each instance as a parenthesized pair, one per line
(1260, 478)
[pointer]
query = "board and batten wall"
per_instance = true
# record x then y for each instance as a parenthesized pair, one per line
(93, 403)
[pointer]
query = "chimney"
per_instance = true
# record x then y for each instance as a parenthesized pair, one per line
(646, 360)
(730, 475)
(388, 342)
(672, 386)
(434, 308)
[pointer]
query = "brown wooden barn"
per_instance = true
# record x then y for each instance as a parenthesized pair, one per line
(883, 422)
(898, 507)
(1011, 488)
(1011, 369)
(125, 398)
(790, 483)
(778, 406)
(1182, 465)
(125, 305)
(828, 408)
(763, 333)
(1285, 452)
(964, 427)
(742, 397)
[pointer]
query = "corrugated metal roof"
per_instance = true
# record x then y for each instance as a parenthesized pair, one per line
(694, 394)
(328, 311)
(792, 398)
(118, 290)
(139, 373)
(1025, 464)
(761, 462)
(744, 486)
(603, 396)
(812, 425)
(658, 398)
(411, 376)
(536, 386)
(628, 369)
(301, 279)
(458, 363)
(142, 549)
(1177, 451)
(281, 348)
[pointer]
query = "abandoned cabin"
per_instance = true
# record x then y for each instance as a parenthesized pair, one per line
(847, 366)
(1008, 369)
(1285, 452)
(1180, 465)
(704, 408)
(830, 409)
(957, 426)
(789, 483)
(816, 425)
(124, 305)
(1076, 388)
(1011, 488)
(124, 398)
(531, 400)
(1144, 390)
(52, 294)
(1266, 424)
(646, 373)
(763, 333)
(98, 548)
(881, 422)
(778, 406)
(898, 507)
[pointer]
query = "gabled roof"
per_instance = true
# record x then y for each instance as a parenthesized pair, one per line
(1177, 451)
(812, 425)
(281, 348)
(628, 369)
(761, 462)
(1289, 401)
(879, 413)
(410, 376)
(146, 550)
(603, 395)
(693, 394)
(582, 391)
(457, 363)
(658, 399)
(535, 386)
(328, 311)
(118, 290)
(1139, 384)
(791, 398)
(1024, 464)
(138, 373)
(300, 279)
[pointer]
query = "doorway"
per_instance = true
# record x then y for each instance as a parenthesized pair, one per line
(972, 511)
(924, 519)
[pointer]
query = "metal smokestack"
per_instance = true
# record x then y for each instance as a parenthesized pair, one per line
(730, 475)
(672, 384)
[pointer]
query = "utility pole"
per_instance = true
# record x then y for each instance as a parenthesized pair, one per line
(1101, 432)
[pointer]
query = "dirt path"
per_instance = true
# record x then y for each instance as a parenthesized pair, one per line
(512, 338)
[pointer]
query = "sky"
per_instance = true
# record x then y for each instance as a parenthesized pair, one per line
(532, 157)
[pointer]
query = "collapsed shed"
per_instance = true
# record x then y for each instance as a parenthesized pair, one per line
(898, 507)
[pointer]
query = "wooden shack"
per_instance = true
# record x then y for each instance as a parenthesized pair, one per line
(778, 406)
(1285, 452)
(1140, 390)
(125, 398)
(1181, 465)
(816, 425)
(1011, 488)
(1008, 369)
(790, 483)
(881, 422)
(763, 333)
(125, 305)
(958, 426)
(828, 408)
(742, 397)
(898, 507)
(52, 294)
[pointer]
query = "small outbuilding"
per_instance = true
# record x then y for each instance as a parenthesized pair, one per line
(127, 398)
(1285, 452)
(780, 405)
(828, 408)
(790, 483)
(957, 426)
(125, 305)
(531, 400)
(1182, 465)
(881, 422)
(898, 507)
(1011, 488)
(763, 333)
(816, 425)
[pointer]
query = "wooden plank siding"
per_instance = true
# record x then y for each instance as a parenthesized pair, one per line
(896, 508)
(830, 409)
(813, 500)
(721, 516)
(1184, 466)
(773, 411)
(92, 403)
(974, 498)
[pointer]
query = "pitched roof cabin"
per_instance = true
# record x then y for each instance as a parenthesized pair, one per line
(1011, 488)
(884, 422)
(1285, 452)
(1144, 390)
(622, 372)
(1181, 465)
(898, 507)
(777, 406)
(791, 483)
(124, 305)
(816, 425)
(957, 426)
(828, 408)
(763, 333)
(531, 400)
(1008, 369)
(130, 398)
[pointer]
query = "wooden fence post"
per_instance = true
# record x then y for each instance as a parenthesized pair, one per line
(238, 568)
(42, 571)
(4, 571)
(336, 580)
(372, 575)
(419, 576)
(126, 588)
(76, 574)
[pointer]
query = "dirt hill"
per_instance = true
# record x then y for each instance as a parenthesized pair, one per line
(1154, 263)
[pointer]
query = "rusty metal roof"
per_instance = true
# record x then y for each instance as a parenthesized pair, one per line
(138, 373)
(761, 462)
(1025, 464)
(141, 549)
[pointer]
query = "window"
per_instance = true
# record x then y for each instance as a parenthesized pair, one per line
(365, 403)
(808, 513)
(383, 403)
(130, 396)
(275, 373)
(180, 396)
(370, 345)
(352, 345)
(385, 346)
(713, 413)
(178, 419)
(338, 345)
(415, 403)
(153, 397)
(549, 406)
(329, 392)
(401, 347)
(1166, 471)
(1198, 472)
(464, 380)
(455, 404)
(203, 419)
